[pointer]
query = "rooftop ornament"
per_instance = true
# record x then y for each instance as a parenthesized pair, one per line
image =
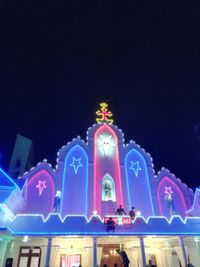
(104, 114)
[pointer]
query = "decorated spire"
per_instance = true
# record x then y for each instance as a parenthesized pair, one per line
(104, 114)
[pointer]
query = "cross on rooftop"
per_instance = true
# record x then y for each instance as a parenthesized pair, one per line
(104, 114)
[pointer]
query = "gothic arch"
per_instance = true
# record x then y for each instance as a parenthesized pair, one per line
(178, 198)
(108, 192)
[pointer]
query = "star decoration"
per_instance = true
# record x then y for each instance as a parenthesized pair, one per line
(135, 167)
(76, 164)
(168, 191)
(106, 142)
(41, 186)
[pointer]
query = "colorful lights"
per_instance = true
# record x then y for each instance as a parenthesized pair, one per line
(178, 197)
(40, 192)
(58, 194)
(138, 213)
(104, 169)
(76, 164)
(196, 203)
(168, 191)
(41, 186)
(94, 212)
(153, 225)
(5, 213)
(103, 166)
(135, 167)
(25, 239)
(75, 190)
(104, 114)
(137, 186)
(107, 143)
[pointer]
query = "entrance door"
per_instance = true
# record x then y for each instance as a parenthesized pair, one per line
(110, 258)
(29, 257)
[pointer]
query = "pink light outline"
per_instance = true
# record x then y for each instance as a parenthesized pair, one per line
(95, 164)
(50, 179)
(171, 182)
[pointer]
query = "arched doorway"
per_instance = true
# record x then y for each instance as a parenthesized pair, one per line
(108, 188)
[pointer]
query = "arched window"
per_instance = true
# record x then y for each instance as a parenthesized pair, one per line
(108, 188)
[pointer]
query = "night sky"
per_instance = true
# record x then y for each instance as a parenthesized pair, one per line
(59, 59)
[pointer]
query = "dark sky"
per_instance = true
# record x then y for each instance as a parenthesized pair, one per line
(59, 59)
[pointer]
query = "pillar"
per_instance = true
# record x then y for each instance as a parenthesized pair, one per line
(8, 251)
(48, 255)
(183, 250)
(142, 250)
(3, 246)
(94, 251)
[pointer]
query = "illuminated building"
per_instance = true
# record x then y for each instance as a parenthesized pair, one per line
(55, 217)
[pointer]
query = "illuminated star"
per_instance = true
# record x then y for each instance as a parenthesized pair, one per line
(107, 143)
(168, 191)
(41, 186)
(76, 164)
(135, 167)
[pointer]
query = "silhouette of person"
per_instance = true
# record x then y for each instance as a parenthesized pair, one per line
(120, 211)
(132, 213)
(124, 257)
(110, 225)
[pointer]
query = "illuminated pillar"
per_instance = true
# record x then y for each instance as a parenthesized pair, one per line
(48, 255)
(142, 250)
(183, 250)
(94, 251)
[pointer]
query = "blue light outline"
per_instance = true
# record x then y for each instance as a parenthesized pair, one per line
(137, 163)
(45, 219)
(76, 168)
(64, 174)
(147, 177)
(87, 233)
(9, 178)
(197, 192)
(104, 233)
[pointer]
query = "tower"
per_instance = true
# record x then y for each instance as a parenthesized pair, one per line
(22, 156)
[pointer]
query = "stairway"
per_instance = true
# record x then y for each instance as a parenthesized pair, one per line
(108, 207)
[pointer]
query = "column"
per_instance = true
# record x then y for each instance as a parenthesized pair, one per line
(3, 246)
(8, 251)
(48, 255)
(142, 250)
(183, 250)
(94, 251)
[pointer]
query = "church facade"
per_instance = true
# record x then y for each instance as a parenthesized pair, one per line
(56, 216)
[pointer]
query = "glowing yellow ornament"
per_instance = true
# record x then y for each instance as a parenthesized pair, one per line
(104, 114)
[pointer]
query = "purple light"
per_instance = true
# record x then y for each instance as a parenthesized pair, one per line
(41, 186)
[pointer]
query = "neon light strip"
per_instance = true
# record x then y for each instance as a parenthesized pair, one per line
(146, 175)
(168, 220)
(105, 234)
(95, 164)
(195, 200)
(64, 176)
(127, 183)
(170, 181)
(14, 184)
(49, 179)
(100, 233)
(7, 211)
